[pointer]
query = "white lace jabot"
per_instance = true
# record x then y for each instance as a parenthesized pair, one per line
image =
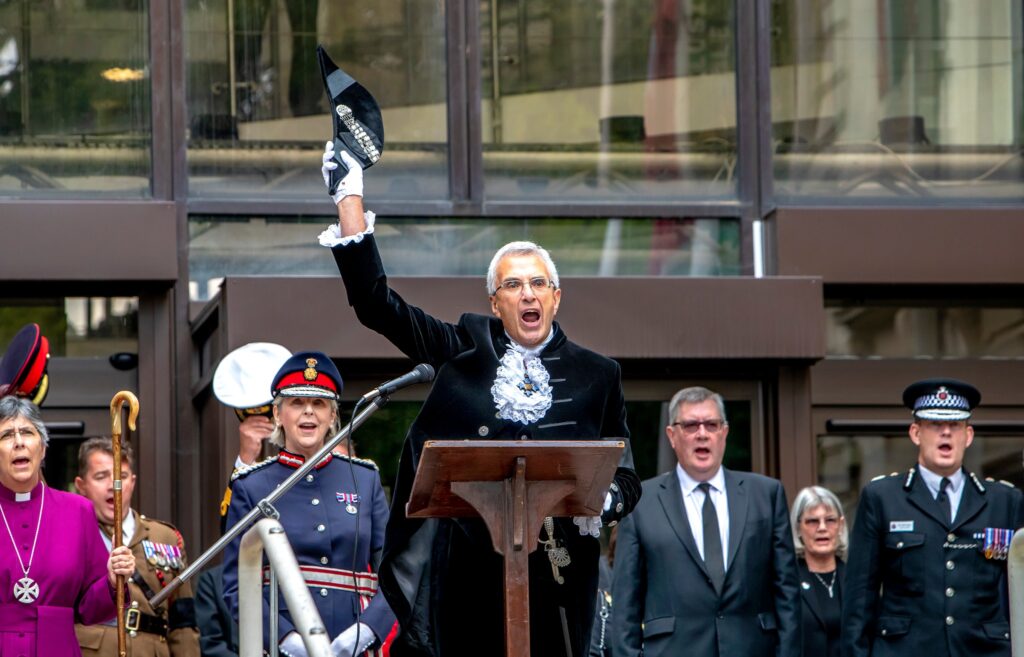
(521, 390)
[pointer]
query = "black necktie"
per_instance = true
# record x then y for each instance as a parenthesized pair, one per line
(713, 558)
(943, 500)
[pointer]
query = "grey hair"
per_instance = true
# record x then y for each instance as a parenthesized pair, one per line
(12, 407)
(809, 498)
(695, 395)
(277, 437)
(519, 249)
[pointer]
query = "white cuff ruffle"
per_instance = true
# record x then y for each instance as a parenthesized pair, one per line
(332, 234)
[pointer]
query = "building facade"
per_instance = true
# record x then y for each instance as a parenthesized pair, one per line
(805, 205)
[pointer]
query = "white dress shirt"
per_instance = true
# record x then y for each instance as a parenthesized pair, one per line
(954, 491)
(693, 499)
(127, 528)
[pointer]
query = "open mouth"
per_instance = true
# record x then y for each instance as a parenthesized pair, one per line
(308, 426)
(945, 449)
(702, 452)
(530, 317)
(21, 461)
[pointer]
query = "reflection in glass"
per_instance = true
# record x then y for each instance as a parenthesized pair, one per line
(847, 463)
(617, 99)
(901, 99)
(76, 327)
(74, 99)
(463, 247)
(935, 332)
(258, 113)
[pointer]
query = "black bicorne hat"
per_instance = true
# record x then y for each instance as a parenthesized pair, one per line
(24, 364)
(358, 126)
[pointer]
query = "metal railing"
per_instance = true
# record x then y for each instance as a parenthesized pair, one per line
(1016, 577)
(268, 535)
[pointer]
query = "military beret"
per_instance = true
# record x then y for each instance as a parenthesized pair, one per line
(358, 126)
(308, 374)
(243, 378)
(941, 399)
(24, 364)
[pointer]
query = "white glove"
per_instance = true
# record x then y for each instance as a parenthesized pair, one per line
(344, 645)
(592, 524)
(292, 646)
(352, 183)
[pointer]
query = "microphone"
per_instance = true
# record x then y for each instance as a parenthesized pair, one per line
(422, 373)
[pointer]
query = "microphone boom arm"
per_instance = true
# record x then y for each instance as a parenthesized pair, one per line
(266, 503)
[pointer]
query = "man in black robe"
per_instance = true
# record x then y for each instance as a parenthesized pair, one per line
(511, 376)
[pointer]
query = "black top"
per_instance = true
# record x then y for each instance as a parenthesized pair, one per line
(822, 615)
(828, 608)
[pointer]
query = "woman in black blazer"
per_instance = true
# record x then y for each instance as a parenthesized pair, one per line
(821, 538)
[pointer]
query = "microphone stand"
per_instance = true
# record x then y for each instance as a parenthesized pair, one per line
(265, 507)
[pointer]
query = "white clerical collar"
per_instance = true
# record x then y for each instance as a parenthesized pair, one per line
(689, 484)
(933, 480)
(23, 497)
(533, 351)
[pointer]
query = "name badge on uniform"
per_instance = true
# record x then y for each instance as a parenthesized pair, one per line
(350, 500)
(901, 526)
(996, 542)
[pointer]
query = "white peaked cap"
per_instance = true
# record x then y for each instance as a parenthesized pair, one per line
(243, 377)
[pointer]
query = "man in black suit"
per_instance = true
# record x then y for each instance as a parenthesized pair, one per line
(705, 563)
(513, 375)
(927, 567)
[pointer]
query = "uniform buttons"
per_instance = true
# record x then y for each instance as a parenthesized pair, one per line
(899, 546)
(522, 437)
(1006, 635)
(613, 523)
(483, 430)
(950, 565)
(950, 592)
(320, 528)
(885, 632)
(309, 477)
(951, 538)
(323, 560)
(949, 620)
(315, 501)
(619, 507)
(323, 594)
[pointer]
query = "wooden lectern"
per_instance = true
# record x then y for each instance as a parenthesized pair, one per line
(513, 485)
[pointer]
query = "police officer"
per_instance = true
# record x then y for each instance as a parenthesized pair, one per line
(169, 630)
(927, 561)
(334, 517)
(23, 369)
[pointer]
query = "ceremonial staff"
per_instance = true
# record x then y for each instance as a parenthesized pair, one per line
(115, 436)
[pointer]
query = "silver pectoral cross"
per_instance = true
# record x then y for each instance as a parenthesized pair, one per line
(26, 590)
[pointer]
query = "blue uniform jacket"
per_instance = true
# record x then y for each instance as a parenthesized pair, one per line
(918, 585)
(322, 534)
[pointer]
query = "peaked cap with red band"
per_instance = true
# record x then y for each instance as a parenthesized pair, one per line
(23, 368)
(308, 374)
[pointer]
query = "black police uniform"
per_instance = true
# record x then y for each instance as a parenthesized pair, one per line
(917, 584)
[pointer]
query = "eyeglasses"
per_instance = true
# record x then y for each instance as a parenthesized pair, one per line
(538, 284)
(26, 433)
(693, 427)
(828, 521)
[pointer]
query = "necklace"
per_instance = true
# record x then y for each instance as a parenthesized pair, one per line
(831, 583)
(26, 589)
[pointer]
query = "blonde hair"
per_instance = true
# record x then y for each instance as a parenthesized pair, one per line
(277, 437)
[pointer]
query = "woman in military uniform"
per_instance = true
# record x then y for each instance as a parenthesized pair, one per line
(334, 517)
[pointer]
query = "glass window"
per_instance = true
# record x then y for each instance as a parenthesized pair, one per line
(847, 463)
(74, 99)
(615, 100)
(258, 112)
(899, 99)
(464, 247)
(924, 332)
(76, 327)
